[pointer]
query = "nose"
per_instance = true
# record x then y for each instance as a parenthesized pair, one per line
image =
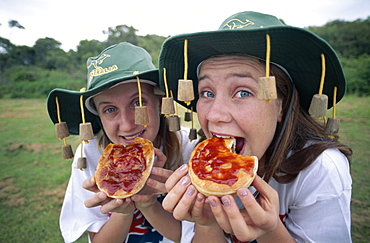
(219, 111)
(126, 120)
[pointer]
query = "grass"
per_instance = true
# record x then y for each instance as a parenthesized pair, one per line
(33, 176)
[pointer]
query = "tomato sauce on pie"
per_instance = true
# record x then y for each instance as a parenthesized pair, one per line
(215, 162)
(124, 169)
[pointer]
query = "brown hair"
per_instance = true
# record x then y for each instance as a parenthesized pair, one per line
(302, 136)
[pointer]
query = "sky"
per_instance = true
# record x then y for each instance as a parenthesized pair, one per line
(70, 21)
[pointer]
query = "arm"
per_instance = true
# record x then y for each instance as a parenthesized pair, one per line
(119, 223)
(75, 218)
(115, 230)
(152, 209)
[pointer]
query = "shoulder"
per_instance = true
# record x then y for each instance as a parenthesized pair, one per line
(327, 177)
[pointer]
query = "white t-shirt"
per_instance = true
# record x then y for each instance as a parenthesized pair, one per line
(75, 218)
(315, 207)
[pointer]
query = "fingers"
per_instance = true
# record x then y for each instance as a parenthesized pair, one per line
(197, 210)
(181, 211)
(158, 187)
(219, 213)
(175, 194)
(164, 173)
(236, 220)
(268, 201)
(176, 176)
(117, 205)
(161, 158)
(96, 200)
(90, 185)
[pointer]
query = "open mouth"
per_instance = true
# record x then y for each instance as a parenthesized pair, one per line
(134, 136)
(238, 142)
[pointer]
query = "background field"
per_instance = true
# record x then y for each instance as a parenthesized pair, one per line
(33, 176)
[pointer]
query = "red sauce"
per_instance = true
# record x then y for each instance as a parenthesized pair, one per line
(125, 168)
(215, 162)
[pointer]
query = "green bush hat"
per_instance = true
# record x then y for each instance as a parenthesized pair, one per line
(294, 49)
(116, 64)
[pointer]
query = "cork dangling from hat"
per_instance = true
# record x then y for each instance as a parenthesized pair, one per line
(174, 121)
(193, 131)
(188, 115)
(267, 85)
(185, 90)
(141, 112)
(332, 124)
(62, 132)
(86, 133)
(319, 102)
(168, 106)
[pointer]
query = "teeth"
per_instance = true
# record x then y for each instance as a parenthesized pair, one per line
(221, 136)
(135, 136)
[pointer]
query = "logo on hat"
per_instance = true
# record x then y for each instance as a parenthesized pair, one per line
(238, 24)
(97, 71)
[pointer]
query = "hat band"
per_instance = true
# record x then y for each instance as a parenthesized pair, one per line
(91, 107)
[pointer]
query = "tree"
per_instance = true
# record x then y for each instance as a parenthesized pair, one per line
(349, 39)
(14, 23)
(121, 33)
(49, 55)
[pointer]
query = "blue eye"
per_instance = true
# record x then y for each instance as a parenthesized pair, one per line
(207, 94)
(137, 103)
(110, 110)
(243, 93)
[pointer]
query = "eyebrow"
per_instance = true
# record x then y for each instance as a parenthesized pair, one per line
(136, 94)
(239, 75)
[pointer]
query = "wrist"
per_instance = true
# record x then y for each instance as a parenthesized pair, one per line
(148, 207)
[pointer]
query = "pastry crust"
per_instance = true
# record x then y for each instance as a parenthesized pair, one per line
(123, 170)
(215, 170)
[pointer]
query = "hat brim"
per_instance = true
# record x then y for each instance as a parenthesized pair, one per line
(69, 102)
(295, 49)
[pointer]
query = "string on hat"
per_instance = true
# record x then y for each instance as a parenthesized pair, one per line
(86, 133)
(185, 86)
(141, 113)
(267, 84)
(319, 102)
(62, 133)
(332, 125)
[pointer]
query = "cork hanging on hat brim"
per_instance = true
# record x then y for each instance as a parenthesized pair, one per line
(62, 132)
(332, 125)
(86, 132)
(185, 90)
(141, 113)
(81, 162)
(319, 102)
(168, 106)
(267, 85)
(187, 117)
(193, 131)
(173, 120)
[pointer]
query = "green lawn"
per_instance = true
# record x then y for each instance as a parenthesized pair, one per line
(33, 176)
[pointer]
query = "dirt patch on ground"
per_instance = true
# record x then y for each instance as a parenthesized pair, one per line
(9, 194)
(36, 147)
